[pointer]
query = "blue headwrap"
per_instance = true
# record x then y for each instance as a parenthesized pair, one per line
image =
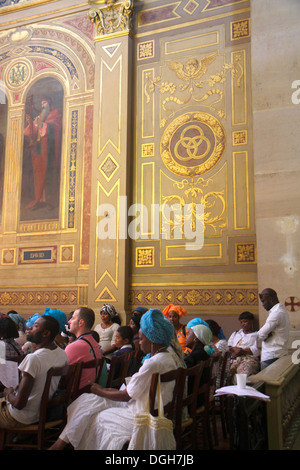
(141, 310)
(157, 328)
(221, 334)
(196, 321)
(32, 319)
(59, 316)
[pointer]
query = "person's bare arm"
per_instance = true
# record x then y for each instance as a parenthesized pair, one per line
(18, 397)
(111, 393)
(109, 350)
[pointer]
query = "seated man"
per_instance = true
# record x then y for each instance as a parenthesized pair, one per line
(21, 406)
(84, 348)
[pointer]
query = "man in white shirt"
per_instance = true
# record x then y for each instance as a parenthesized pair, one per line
(275, 332)
(21, 405)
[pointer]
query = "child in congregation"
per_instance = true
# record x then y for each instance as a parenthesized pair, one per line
(123, 340)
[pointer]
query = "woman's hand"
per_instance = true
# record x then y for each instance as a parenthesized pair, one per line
(110, 393)
(236, 352)
(8, 390)
(96, 389)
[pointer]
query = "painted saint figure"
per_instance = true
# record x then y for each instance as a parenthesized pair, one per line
(44, 134)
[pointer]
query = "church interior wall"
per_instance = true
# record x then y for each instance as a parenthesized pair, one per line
(276, 114)
(219, 277)
(45, 247)
(191, 67)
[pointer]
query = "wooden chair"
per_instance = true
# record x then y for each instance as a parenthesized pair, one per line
(97, 365)
(205, 411)
(212, 399)
(173, 375)
(220, 402)
(186, 402)
(137, 360)
(118, 370)
(46, 429)
(169, 408)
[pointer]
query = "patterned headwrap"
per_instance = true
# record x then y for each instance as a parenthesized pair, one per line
(59, 316)
(179, 310)
(19, 320)
(204, 335)
(110, 309)
(157, 328)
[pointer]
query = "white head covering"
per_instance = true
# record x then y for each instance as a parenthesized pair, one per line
(204, 335)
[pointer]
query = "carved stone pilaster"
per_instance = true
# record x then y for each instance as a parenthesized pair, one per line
(112, 151)
(114, 17)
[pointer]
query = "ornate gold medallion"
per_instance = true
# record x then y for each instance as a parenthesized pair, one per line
(192, 144)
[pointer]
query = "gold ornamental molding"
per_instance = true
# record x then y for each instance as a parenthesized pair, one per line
(192, 144)
(240, 296)
(36, 296)
(113, 19)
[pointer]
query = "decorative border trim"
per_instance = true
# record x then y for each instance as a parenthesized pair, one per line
(205, 297)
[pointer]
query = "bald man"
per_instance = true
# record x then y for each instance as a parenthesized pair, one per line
(275, 332)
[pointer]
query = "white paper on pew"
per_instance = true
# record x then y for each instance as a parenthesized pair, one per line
(242, 392)
(9, 374)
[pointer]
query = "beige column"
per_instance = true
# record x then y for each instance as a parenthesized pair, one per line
(13, 169)
(108, 274)
(276, 115)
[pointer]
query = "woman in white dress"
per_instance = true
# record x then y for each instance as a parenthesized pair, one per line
(243, 346)
(104, 419)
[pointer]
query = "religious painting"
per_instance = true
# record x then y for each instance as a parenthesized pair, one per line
(42, 151)
(3, 127)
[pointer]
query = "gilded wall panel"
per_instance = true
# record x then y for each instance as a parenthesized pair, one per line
(103, 272)
(241, 190)
(194, 128)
